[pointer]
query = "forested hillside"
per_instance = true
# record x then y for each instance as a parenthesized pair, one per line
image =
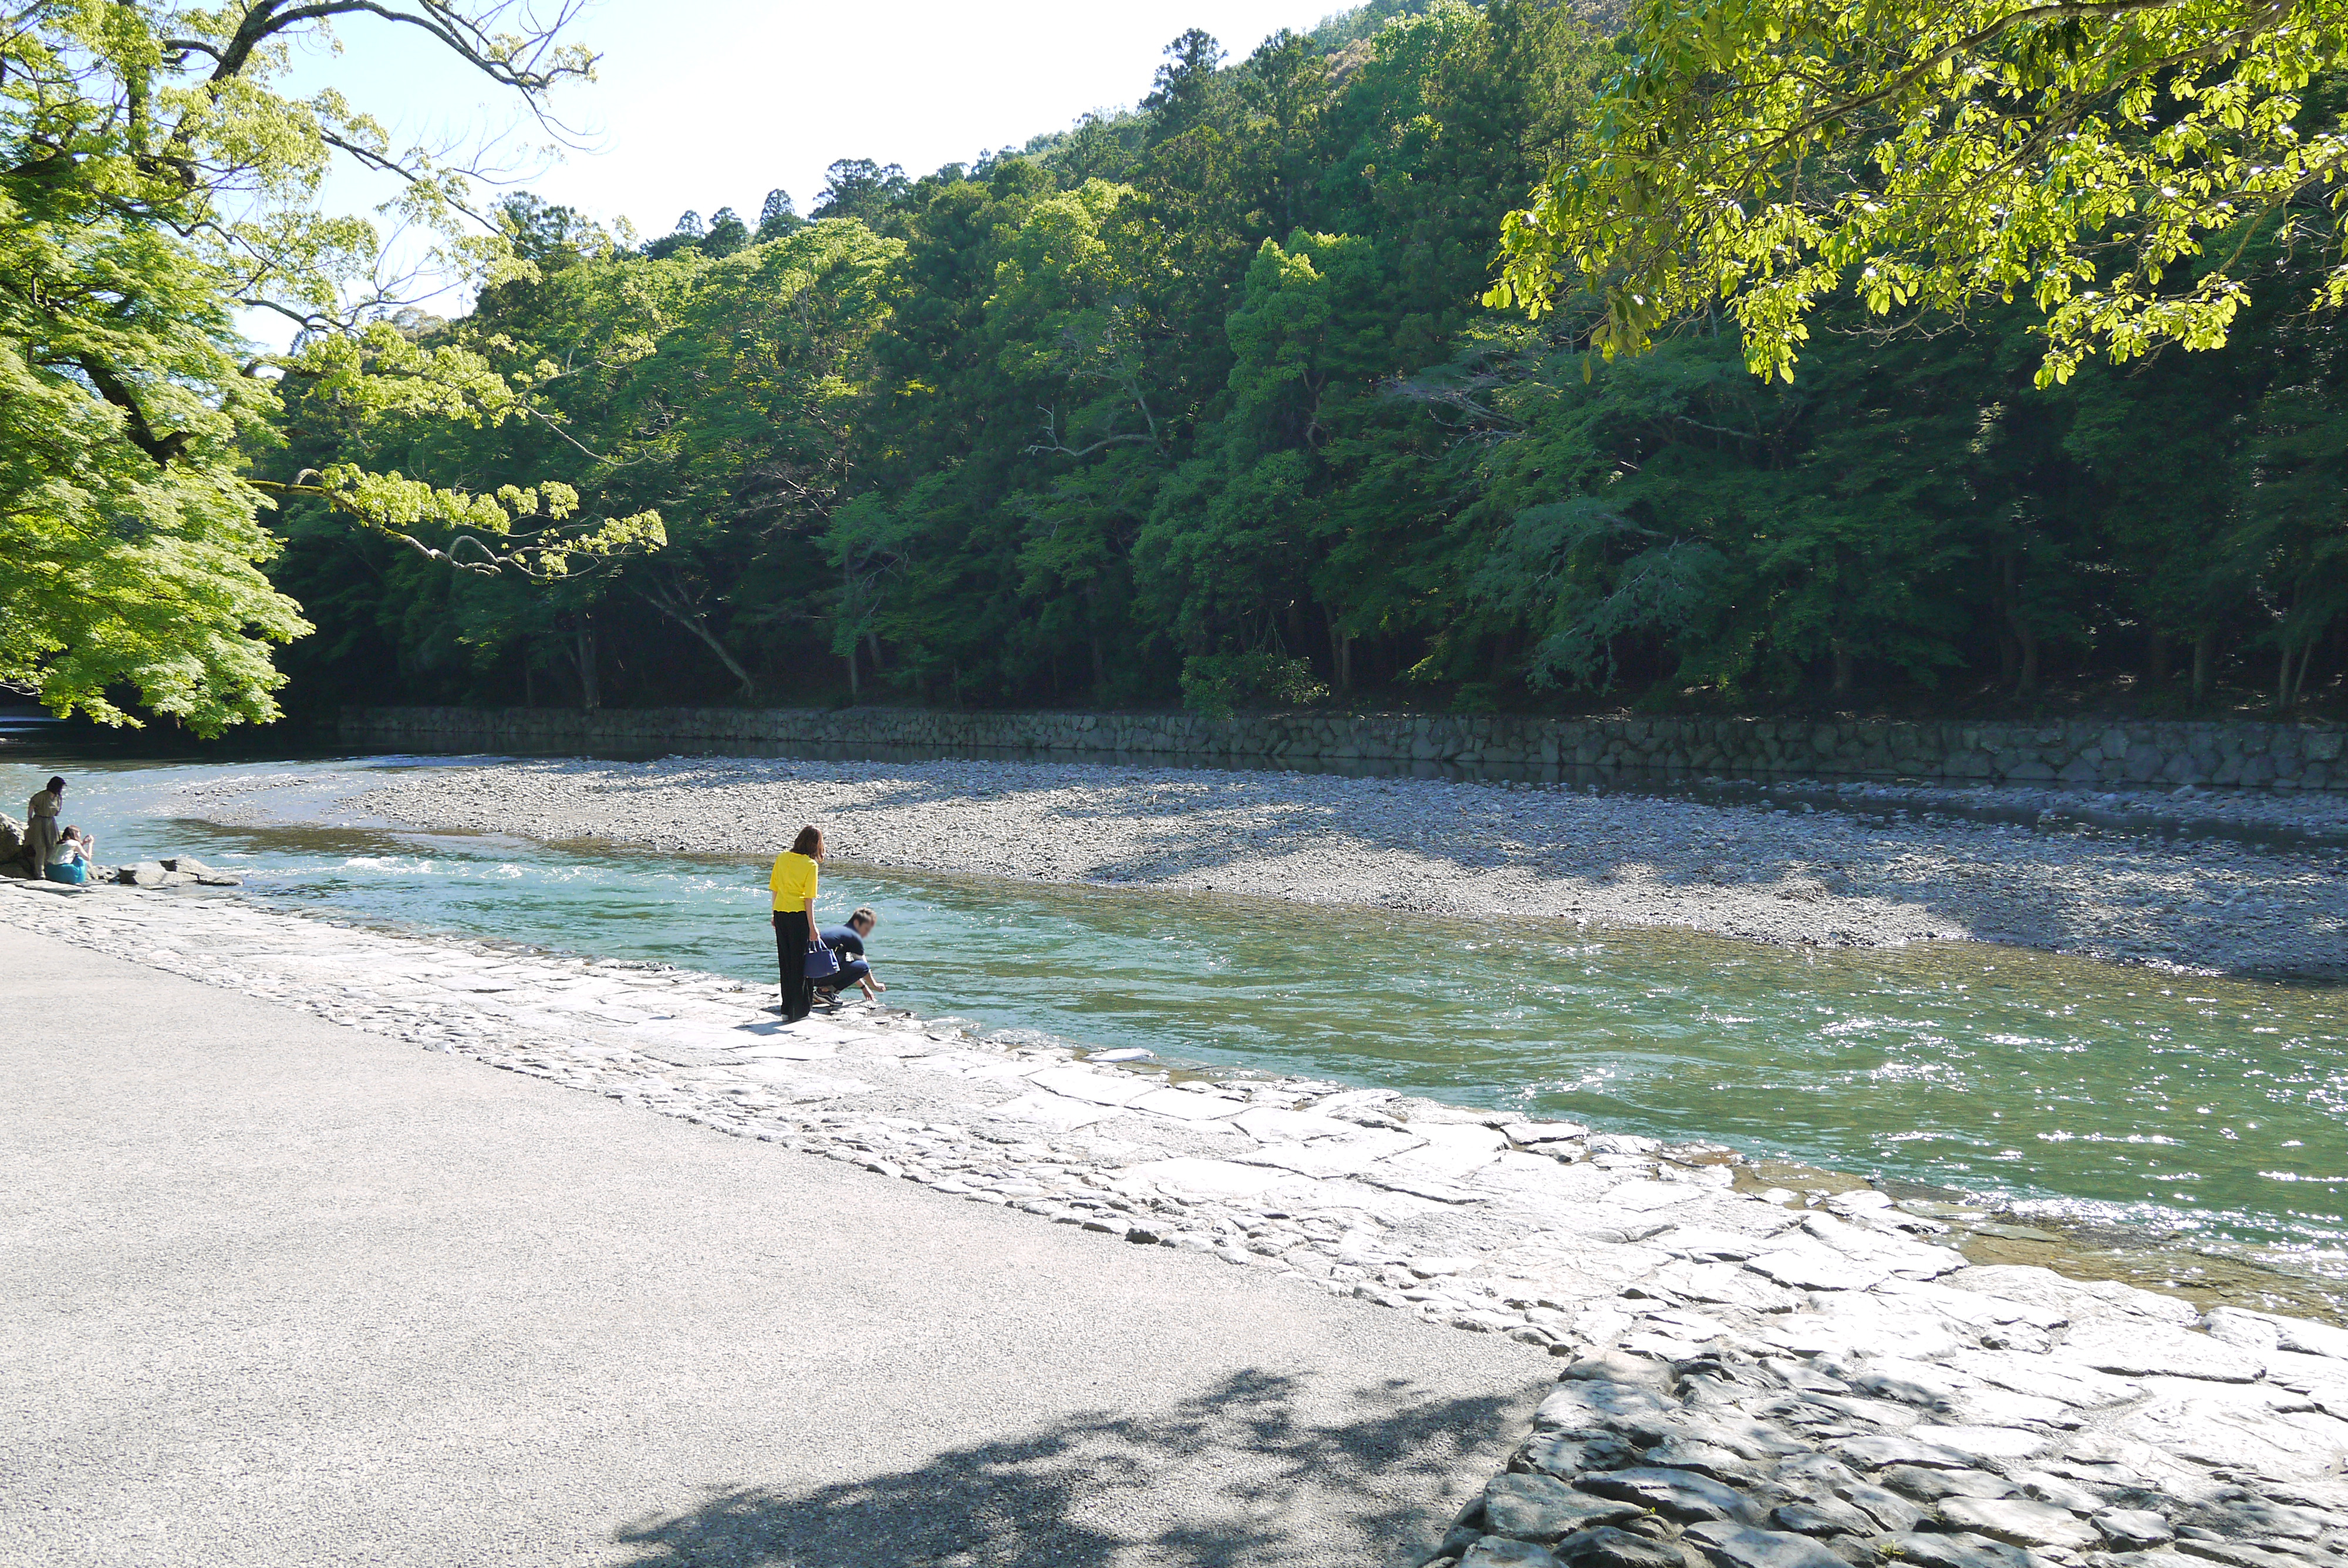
(1199, 401)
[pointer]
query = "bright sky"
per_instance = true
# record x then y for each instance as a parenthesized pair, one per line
(704, 104)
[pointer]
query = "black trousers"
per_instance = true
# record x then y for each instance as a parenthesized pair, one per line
(791, 939)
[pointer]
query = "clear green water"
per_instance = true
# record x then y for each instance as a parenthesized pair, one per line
(2161, 1104)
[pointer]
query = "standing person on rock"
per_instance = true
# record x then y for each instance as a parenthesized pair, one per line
(793, 882)
(41, 813)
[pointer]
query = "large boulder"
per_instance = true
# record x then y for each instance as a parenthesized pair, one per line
(12, 845)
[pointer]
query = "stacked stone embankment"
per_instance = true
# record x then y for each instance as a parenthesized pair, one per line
(2082, 752)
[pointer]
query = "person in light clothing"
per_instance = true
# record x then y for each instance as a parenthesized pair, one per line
(793, 883)
(69, 861)
(41, 813)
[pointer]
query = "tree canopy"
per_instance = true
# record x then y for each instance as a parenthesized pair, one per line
(153, 179)
(2112, 162)
(1209, 401)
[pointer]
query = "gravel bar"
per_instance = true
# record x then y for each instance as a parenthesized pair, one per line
(1771, 873)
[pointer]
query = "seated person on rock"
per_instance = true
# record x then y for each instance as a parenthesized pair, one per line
(69, 861)
(846, 943)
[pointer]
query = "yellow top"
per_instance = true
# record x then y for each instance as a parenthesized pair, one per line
(793, 880)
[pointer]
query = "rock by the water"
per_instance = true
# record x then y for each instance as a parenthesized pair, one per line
(176, 871)
(1931, 1485)
(2133, 1529)
(1679, 1494)
(1500, 1551)
(1607, 1546)
(1930, 1550)
(2019, 1520)
(1742, 1546)
(1888, 1509)
(1823, 1516)
(1542, 1508)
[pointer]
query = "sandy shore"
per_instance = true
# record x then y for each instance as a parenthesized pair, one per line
(1826, 876)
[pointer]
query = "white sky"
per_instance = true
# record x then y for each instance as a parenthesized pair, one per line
(703, 104)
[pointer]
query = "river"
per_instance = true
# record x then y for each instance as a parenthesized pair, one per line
(2173, 1110)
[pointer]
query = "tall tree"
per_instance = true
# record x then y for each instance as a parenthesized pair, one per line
(778, 216)
(152, 178)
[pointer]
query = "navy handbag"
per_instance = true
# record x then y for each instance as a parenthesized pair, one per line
(822, 963)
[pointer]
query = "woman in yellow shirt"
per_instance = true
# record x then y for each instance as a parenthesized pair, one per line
(793, 881)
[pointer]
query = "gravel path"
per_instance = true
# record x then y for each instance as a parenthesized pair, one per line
(1772, 875)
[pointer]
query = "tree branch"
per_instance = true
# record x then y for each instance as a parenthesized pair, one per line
(162, 448)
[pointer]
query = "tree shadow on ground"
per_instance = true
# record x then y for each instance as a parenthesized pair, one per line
(1239, 1474)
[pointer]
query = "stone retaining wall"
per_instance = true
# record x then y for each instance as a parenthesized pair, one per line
(2079, 752)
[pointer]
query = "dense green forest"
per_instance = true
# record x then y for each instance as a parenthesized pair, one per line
(1199, 402)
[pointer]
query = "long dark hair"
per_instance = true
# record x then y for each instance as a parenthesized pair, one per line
(809, 841)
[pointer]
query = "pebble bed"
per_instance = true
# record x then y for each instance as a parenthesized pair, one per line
(1750, 1379)
(2319, 818)
(1758, 871)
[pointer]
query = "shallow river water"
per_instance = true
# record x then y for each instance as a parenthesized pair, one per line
(2163, 1105)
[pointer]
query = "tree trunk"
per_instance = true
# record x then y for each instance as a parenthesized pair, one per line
(2026, 637)
(2293, 679)
(2205, 657)
(679, 610)
(1841, 671)
(872, 647)
(1341, 659)
(851, 670)
(591, 692)
(529, 683)
(1100, 669)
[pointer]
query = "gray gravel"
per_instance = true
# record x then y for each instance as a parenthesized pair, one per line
(1772, 875)
(284, 1292)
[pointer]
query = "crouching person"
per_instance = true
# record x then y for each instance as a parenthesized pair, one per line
(847, 942)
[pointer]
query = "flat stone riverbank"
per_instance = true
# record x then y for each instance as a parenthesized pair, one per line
(1754, 871)
(1750, 1380)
